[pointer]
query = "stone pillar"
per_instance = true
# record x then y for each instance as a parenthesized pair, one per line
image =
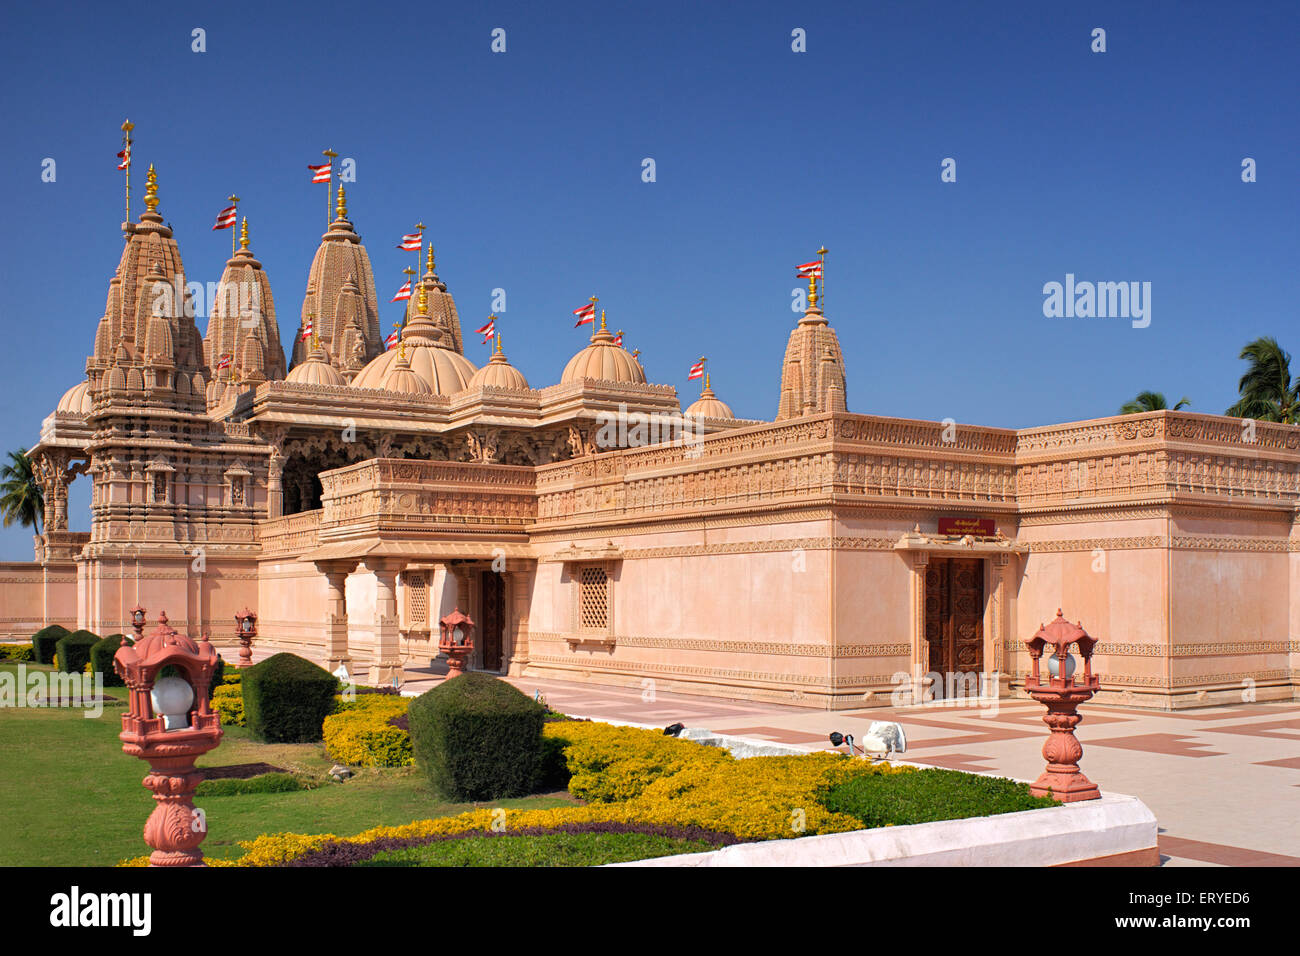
(519, 592)
(274, 488)
(999, 566)
(387, 662)
(336, 614)
(919, 562)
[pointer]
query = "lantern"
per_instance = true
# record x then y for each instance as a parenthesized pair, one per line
(456, 641)
(169, 723)
(137, 621)
(245, 630)
(1062, 695)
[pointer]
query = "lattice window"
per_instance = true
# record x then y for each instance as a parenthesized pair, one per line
(417, 599)
(593, 599)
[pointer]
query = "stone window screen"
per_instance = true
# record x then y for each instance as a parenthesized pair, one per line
(593, 599)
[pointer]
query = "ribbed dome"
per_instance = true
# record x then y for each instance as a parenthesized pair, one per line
(316, 370)
(499, 373)
(709, 405)
(76, 400)
(604, 361)
(400, 378)
(429, 353)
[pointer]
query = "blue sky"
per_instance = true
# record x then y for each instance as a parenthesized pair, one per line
(526, 166)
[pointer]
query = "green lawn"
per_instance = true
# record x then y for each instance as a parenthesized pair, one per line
(556, 849)
(69, 796)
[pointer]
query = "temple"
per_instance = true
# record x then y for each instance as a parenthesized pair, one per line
(596, 531)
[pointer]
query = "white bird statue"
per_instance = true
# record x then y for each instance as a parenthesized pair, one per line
(884, 737)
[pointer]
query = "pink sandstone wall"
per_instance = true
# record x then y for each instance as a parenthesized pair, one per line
(32, 596)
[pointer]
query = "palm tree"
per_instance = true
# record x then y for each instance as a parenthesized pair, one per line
(1267, 391)
(1150, 402)
(21, 498)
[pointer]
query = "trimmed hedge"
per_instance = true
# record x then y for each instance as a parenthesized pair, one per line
(262, 783)
(929, 795)
(101, 659)
(287, 698)
(477, 738)
(74, 651)
(44, 641)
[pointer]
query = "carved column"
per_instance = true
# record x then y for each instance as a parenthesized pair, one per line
(386, 664)
(336, 614)
(919, 562)
(274, 488)
(519, 592)
(1000, 566)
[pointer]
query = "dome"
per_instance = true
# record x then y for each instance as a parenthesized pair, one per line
(499, 373)
(604, 361)
(316, 370)
(400, 378)
(429, 355)
(709, 405)
(76, 400)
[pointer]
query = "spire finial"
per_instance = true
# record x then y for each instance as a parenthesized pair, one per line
(424, 300)
(243, 234)
(602, 320)
(706, 381)
(341, 205)
(151, 190)
(429, 260)
(497, 335)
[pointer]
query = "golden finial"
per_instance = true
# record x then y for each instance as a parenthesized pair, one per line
(243, 234)
(429, 260)
(706, 381)
(636, 353)
(602, 320)
(127, 127)
(341, 205)
(497, 335)
(151, 190)
(424, 300)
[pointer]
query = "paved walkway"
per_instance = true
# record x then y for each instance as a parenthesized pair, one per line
(1224, 782)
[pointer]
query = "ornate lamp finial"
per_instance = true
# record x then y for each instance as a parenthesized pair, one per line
(429, 260)
(497, 335)
(151, 190)
(424, 300)
(243, 234)
(602, 320)
(341, 205)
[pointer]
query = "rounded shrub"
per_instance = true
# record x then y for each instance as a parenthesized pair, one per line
(228, 702)
(74, 651)
(287, 698)
(101, 659)
(477, 738)
(44, 641)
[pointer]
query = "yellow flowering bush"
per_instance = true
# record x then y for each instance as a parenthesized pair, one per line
(639, 776)
(610, 764)
(228, 702)
(360, 735)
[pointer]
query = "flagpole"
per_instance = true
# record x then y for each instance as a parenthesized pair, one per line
(235, 201)
(822, 254)
(419, 227)
(126, 138)
(329, 155)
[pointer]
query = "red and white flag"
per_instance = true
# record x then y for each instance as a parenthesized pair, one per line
(810, 269)
(320, 174)
(586, 314)
(306, 330)
(226, 218)
(224, 363)
(410, 242)
(403, 293)
(618, 339)
(125, 156)
(394, 337)
(697, 370)
(488, 330)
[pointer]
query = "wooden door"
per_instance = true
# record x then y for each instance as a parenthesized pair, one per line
(954, 620)
(492, 626)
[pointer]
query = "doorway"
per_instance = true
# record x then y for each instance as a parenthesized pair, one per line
(492, 628)
(954, 624)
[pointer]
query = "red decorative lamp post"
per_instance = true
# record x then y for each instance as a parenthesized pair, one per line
(246, 628)
(1062, 780)
(137, 621)
(456, 641)
(169, 723)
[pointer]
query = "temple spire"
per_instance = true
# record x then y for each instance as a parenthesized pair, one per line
(151, 190)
